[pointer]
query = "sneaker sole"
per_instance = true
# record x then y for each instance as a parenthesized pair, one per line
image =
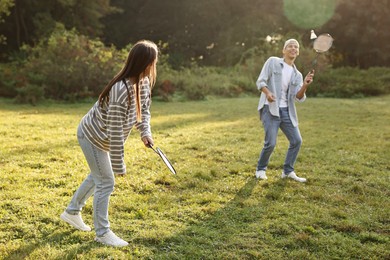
(286, 177)
(294, 179)
(260, 177)
(101, 242)
(70, 222)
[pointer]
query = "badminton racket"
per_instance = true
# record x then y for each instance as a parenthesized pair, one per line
(164, 158)
(321, 44)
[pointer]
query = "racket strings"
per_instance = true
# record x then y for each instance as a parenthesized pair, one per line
(323, 43)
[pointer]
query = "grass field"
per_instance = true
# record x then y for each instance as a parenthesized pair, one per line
(214, 208)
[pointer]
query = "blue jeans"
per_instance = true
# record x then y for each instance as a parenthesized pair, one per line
(271, 126)
(100, 183)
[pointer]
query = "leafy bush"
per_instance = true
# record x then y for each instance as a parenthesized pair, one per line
(350, 82)
(8, 81)
(67, 66)
(29, 94)
(197, 83)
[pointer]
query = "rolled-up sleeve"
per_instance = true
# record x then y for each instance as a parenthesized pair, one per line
(145, 96)
(300, 84)
(302, 99)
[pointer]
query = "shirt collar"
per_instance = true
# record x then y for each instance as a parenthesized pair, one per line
(281, 60)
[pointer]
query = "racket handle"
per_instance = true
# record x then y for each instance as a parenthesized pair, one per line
(151, 147)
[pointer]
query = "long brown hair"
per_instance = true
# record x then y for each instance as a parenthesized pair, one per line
(140, 63)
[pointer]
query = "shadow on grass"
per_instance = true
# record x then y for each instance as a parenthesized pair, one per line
(230, 225)
(227, 226)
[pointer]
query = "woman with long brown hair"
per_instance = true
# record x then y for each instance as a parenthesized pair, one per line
(102, 133)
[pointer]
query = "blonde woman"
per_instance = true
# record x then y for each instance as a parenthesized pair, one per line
(102, 133)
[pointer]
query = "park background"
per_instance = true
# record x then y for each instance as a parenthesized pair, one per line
(67, 50)
(56, 56)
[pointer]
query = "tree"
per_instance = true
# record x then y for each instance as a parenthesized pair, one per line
(213, 32)
(5, 6)
(31, 20)
(364, 38)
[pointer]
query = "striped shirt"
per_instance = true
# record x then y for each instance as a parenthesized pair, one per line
(108, 127)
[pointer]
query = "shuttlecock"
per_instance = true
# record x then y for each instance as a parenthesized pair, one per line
(312, 35)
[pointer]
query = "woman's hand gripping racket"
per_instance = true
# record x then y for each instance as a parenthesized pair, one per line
(164, 158)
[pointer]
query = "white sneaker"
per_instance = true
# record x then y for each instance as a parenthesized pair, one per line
(75, 220)
(261, 175)
(293, 176)
(111, 239)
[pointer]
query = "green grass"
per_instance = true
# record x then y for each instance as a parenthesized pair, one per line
(214, 208)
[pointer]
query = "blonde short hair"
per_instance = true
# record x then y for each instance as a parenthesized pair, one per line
(290, 41)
